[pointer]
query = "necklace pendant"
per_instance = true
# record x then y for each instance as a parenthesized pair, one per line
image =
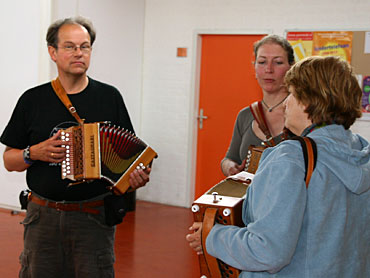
(270, 110)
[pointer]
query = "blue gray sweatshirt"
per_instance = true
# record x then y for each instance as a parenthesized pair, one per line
(291, 231)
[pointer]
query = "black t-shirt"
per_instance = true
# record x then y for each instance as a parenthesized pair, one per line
(39, 114)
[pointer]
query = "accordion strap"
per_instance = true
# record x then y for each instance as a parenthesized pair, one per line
(61, 93)
(208, 223)
(259, 116)
(310, 155)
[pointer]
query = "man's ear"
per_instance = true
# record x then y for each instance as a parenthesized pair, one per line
(52, 52)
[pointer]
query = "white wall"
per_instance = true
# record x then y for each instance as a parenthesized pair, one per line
(21, 24)
(362, 127)
(158, 87)
(170, 100)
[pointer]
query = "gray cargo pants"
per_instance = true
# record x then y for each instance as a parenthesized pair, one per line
(66, 244)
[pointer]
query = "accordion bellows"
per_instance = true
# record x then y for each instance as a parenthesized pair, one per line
(103, 151)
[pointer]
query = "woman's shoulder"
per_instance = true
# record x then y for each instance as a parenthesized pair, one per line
(245, 115)
(244, 120)
(245, 111)
(285, 150)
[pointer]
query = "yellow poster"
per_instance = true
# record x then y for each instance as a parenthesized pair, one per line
(333, 44)
(301, 43)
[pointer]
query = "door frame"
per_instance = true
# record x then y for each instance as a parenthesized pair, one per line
(194, 101)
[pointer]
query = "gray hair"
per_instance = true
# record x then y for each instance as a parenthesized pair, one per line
(53, 30)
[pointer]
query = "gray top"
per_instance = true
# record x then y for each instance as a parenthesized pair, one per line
(243, 137)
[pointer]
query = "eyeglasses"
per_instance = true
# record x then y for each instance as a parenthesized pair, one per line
(71, 48)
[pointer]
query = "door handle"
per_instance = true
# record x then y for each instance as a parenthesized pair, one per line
(201, 117)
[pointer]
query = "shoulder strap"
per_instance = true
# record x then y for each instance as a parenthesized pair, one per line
(61, 93)
(257, 112)
(310, 155)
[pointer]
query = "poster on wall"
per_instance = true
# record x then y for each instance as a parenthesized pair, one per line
(366, 95)
(352, 46)
(302, 44)
(336, 43)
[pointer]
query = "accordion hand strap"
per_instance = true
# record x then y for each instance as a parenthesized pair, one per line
(61, 93)
(208, 223)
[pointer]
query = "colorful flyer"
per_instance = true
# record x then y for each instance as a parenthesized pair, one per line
(366, 94)
(333, 44)
(301, 43)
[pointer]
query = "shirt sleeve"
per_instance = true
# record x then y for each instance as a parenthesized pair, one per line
(243, 137)
(275, 208)
(15, 134)
(236, 141)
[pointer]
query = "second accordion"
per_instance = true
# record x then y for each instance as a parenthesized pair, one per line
(103, 151)
(223, 204)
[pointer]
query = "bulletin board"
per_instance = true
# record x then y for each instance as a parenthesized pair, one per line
(360, 59)
(351, 45)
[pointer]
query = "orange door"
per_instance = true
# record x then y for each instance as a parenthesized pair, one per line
(227, 84)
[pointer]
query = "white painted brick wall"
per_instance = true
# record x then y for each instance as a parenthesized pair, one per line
(168, 109)
(166, 117)
(362, 127)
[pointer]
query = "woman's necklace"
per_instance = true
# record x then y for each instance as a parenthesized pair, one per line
(273, 107)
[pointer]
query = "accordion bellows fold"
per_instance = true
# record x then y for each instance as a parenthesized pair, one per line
(119, 148)
(103, 151)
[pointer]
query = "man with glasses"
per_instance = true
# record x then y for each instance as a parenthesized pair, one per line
(61, 237)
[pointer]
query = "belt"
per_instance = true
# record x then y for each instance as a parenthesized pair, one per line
(83, 206)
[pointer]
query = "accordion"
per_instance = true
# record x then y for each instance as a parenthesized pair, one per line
(222, 204)
(103, 151)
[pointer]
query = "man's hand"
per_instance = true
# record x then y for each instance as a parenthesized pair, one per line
(139, 177)
(50, 150)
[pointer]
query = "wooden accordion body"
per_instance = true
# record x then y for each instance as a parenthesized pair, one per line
(102, 151)
(222, 204)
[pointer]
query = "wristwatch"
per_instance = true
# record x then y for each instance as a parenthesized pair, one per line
(27, 156)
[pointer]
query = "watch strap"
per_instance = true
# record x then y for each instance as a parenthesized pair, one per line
(27, 156)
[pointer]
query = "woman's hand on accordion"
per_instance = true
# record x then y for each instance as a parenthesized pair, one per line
(139, 177)
(195, 238)
(230, 167)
